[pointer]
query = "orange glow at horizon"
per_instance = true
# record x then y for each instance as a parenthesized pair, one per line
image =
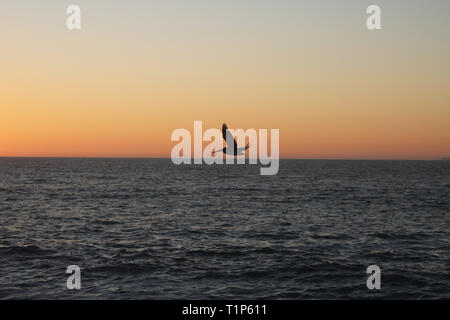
(119, 90)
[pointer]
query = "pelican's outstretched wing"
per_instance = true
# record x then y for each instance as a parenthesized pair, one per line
(227, 136)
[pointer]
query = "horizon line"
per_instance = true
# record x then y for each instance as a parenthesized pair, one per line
(168, 158)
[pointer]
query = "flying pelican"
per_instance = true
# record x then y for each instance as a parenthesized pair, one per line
(232, 150)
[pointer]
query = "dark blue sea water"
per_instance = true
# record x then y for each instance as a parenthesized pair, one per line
(145, 229)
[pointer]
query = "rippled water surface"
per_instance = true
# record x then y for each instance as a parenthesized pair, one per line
(145, 229)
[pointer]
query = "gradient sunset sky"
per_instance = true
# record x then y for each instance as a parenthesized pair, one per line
(137, 70)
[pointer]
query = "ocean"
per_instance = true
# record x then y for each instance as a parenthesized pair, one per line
(147, 229)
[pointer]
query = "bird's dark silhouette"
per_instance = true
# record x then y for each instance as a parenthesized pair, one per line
(233, 148)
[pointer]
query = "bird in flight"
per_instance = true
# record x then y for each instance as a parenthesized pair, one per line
(231, 149)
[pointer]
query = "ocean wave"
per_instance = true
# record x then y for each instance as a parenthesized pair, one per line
(123, 268)
(24, 250)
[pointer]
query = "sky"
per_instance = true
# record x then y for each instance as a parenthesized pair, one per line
(137, 70)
